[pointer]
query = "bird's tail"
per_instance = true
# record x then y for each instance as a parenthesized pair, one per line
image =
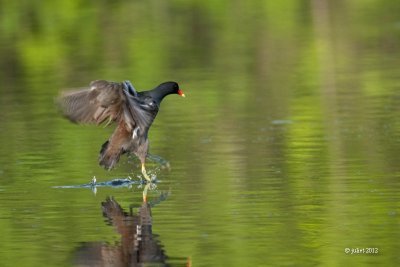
(109, 157)
(115, 146)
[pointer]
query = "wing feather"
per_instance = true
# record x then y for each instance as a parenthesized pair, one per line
(142, 112)
(103, 100)
(109, 101)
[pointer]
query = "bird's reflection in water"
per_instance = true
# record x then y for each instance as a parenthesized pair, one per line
(138, 245)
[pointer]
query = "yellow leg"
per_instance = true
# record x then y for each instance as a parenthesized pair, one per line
(145, 173)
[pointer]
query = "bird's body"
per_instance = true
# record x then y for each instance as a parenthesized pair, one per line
(132, 111)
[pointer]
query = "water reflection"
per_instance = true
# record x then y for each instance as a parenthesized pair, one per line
(138, 245)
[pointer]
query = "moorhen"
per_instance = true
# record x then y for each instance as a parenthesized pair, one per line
(118, 102)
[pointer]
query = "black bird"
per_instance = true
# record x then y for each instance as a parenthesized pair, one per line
(118, 102)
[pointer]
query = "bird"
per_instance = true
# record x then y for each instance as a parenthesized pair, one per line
(133, 112)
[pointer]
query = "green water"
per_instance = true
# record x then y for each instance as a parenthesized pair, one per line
(284, 152)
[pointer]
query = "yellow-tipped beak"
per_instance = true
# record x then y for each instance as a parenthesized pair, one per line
(180, 92)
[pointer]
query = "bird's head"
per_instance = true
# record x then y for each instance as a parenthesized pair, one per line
(170, 88)
(163, 90)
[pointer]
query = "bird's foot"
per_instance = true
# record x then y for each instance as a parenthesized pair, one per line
(145, 175)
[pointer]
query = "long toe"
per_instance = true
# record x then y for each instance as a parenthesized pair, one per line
(146, 176)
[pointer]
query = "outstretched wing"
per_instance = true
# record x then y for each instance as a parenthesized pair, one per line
(110, 101)
(102, 101)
